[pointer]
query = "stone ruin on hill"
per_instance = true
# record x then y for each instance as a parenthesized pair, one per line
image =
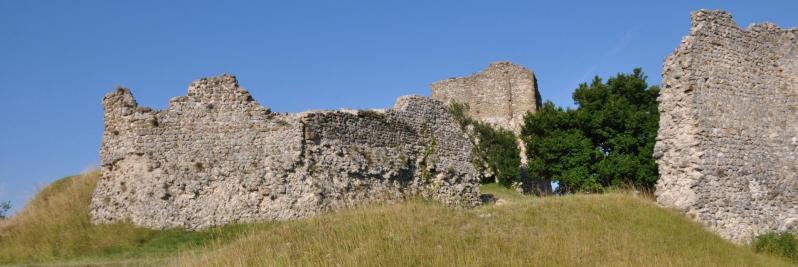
(499, 95)
(215, 156)
(727, 148)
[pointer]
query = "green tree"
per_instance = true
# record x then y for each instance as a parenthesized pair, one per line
(4, 208)
(495, 149)
(558, 150)
(608, 140)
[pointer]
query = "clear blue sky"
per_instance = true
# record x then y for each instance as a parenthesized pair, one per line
(58, 58)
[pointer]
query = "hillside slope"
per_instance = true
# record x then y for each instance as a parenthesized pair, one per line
(593, 230)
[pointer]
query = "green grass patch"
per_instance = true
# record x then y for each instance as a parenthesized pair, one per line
(499, 191)
(779, 244)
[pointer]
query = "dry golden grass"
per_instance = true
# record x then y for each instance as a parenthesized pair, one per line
(578, 230)
(616, 229)
(55, 224)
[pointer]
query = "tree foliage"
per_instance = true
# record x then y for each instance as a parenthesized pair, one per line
(608, 140)
(494, 149)
(4, 208)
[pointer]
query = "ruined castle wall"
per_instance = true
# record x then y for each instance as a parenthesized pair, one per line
(215, 156)
(728, 136)
(500, 95)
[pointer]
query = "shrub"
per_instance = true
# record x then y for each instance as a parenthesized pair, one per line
(780, 244)
(499, 149)
(4, 208)
(495, 149)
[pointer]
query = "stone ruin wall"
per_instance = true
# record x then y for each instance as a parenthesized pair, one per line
(728, 136)
(215, 156)
(500, 95)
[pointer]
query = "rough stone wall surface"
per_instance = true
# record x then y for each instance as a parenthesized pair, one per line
(500, 95)
(728, 136)
(215, 156)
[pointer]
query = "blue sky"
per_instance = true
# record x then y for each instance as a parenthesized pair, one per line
(58, 58)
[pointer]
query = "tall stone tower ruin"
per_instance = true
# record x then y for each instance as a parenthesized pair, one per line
(500, 94)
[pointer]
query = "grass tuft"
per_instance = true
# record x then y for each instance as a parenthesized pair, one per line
(55, 226)
(779, 244)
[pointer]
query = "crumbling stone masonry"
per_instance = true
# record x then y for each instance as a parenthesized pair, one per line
(500, 95)
(215, 156)
(728, 139)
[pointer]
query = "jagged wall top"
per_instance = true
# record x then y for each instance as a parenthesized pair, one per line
(726, 147)
(501, 94)
(215, 156)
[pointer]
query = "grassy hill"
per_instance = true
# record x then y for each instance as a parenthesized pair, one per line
(595, 230)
